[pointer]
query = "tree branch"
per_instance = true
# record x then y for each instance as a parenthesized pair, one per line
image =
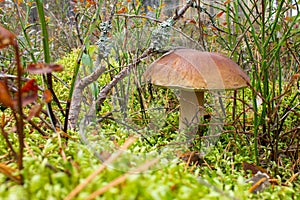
(77, 95)
(124, 72)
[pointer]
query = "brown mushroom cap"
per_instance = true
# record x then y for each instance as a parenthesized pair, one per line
(191, 69)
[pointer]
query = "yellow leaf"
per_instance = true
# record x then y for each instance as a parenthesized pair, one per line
(150, 8)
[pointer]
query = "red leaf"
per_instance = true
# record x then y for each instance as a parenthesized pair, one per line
(5, 97)
(43, 68)
(122, 10)
(6, 38)
(28, 93)
(220, 14)
(47, 96)
(30, 86)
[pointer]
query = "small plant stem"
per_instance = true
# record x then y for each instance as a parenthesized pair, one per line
(255, 121)
(234, 104)
(244, 113)
(228, 21)
(265, 70)
(40, 8)
(46, 48)
(19, 116)
(27, 39)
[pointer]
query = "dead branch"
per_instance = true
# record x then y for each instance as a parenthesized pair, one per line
(78, 91)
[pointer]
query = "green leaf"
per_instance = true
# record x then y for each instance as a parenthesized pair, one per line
(86, 60)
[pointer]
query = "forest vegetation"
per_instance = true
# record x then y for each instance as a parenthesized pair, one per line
(80, 119)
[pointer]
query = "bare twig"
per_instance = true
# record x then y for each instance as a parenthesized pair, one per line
(19, 118)
(35, 126)
(257, 184)
(293, 178)
(140, 16)
(180, 13)
(77, 95)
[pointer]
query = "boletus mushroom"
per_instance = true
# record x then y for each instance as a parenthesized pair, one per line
(193, 72)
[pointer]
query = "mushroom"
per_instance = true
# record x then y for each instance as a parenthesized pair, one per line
(193, 72)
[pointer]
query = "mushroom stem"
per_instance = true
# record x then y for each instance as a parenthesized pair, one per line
(191, 110)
